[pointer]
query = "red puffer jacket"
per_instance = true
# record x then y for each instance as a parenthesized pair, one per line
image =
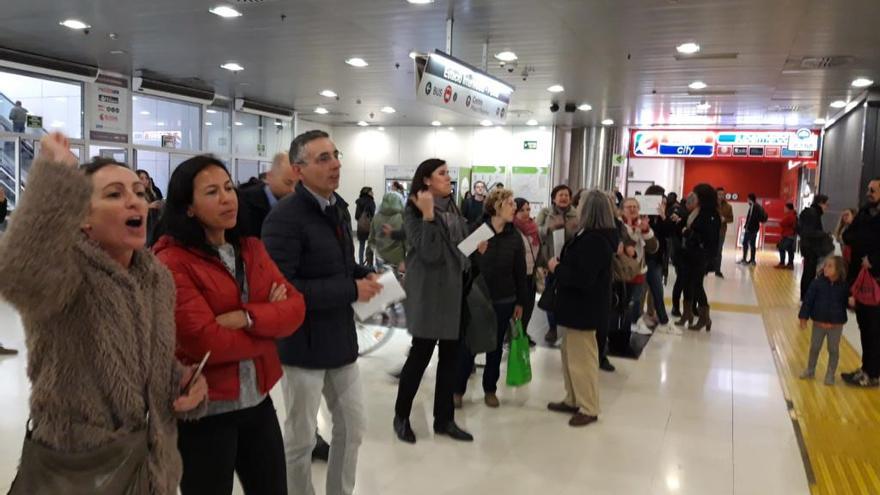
(206, 289)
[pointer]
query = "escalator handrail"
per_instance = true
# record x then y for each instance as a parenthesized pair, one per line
(4, 97)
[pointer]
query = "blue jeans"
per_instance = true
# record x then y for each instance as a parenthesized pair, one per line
(750, 240)
(634, 311)
(655, 285)
(503, 313)
(786, 245)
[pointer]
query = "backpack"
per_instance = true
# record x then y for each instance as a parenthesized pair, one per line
(762, 215)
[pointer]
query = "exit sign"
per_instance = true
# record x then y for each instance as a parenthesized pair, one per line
(530, 145)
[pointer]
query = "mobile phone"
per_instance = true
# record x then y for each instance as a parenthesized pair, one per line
(195, 376)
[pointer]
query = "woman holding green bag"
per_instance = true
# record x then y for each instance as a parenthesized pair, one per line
(583, 302)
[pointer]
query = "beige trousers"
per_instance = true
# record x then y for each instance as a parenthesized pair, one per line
(580, 369)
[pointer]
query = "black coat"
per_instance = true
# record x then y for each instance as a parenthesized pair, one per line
(253, 207)
(825, 302)
(314, 250)
(700, 239)
(583, 280)
(364, 204)
(863, 237)
(4, 205)
(663, 229)
(504, 266)
(472, 210)
(755, 218)
(814, 239)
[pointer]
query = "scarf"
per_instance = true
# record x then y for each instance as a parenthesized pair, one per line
(529, 229)
(450, 216)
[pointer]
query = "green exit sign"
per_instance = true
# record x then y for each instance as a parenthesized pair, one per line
(530, 145)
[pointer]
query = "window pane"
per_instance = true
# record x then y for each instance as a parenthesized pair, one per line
(217, 128)
(58, 103)
(156, 117)
(246, 170)
(157, 165)
(7, 171)
(247, 134)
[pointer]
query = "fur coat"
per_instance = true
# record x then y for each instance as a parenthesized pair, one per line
(100, 338)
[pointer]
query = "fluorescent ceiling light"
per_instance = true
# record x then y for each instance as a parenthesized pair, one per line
(209, 123)
(357, 62)
(144, 112)
(436, 123)
(232, 66)
(586, 107)
(211, 110)
(704, 106)
(819, 121)
(862, 82)
(607, 122)
(329, 93)
(697, 85)
(363, 124)
(322, 111)
(556, 88)
(451, 128)
(688, 48)
(74, 24)
(506, 56)
(420, 2)
(532, 122)
(225, 11)
(387, 110)
(838, 104)
(238, 123)
(160, 124)
(486, 123)
(382, 129)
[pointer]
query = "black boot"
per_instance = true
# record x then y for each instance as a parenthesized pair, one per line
(704, 321)
(688, 315)
(403, 430)
(551, 336)
(605, 365)
(321, 452)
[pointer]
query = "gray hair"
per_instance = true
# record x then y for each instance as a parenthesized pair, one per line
(595, 211)
(298, 145)
(280, 158)
(691, 199)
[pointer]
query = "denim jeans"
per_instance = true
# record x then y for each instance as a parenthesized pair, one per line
(786, 245)
(503, 314)
(634, 311)
(750, 240)
(655, 285)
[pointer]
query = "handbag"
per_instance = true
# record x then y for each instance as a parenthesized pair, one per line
(547, 301)
(481, 331)
(519, 367)
(865, 290)
(118, 468)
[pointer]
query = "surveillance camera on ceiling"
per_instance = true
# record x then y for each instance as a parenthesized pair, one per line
(554, 107)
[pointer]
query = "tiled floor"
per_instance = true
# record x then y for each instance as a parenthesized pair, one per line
(697, 414)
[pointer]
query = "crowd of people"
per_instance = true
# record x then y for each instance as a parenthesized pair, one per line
(258, 284)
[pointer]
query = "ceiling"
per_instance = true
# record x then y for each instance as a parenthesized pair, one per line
(616, 55)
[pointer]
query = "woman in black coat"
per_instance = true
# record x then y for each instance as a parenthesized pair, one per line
(365, 206)
(583, 305)
(700, 239)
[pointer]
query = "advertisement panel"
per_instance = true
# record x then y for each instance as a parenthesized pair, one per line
(738, 144)
(676, 144)
(108, 101)
(451, 84)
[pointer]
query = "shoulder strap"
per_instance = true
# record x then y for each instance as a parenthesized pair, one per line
(239, 270)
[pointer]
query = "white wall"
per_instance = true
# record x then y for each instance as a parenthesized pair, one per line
(666, 172)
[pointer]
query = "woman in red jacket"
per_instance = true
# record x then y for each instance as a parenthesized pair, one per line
(788, 236)
(233, 302)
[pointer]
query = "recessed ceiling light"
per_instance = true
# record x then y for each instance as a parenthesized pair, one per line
(144, 112)
(586, 107)
(160, 124)
(532, 122)
(697, 85)
(838, 104)
(322, 111)
(819, 121)
(387, 110)
(363, 124)
(329, 93)
(413, 54)
(704, 106)
(382, 129)
(238, 123)
(688, 48)
(506, 56)
(543, 128)
(451, 128)
(862, 82)
(486, 123)
(225, 11)
(74, 24)
(556, 88)
(117, 52)
(357, 62)
(607, 122)
(436, 123)
(420, 2)
(208, 123)
(211, 110)
(232, 66)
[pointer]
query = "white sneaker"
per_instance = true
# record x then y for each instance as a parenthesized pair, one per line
(641, 329)
(671, 329)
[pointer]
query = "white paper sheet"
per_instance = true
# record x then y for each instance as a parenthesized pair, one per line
(558, 242)
(649, 204)
(391, 293)
(469, 245)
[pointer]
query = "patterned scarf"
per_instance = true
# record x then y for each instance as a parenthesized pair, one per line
(529, 229)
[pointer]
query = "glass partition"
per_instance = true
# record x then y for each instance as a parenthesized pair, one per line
(59, 103)
(166, 123)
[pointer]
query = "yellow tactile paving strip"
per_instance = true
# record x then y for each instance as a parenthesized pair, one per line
(839, 426)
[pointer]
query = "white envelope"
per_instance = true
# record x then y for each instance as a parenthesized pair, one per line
(558, 242)
(469, 245)
(391, 293)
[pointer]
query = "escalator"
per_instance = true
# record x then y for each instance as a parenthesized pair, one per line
(7, 152)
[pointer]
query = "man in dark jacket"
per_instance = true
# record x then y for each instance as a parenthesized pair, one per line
(863, 236)
(815, 242)
(256, 201)
(754, 219)
(472, 208)
(308, 234)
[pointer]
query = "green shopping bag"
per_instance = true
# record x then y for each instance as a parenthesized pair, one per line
(519, 368)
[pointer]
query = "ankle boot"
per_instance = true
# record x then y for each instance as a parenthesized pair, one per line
(702, 321)
(687, 314)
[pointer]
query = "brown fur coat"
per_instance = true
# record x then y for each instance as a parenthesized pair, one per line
(100, 338)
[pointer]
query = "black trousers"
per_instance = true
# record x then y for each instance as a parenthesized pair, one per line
(529, 308)
(869, 330)
(695, 275)
(414, 369)
(247, 442)
(810, 263)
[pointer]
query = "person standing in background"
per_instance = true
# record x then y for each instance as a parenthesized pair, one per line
(256, 201)
(725, 211)
(815, 242)
(535, 262)
(364, 211)
(18, 115)
(472, 207)
(755, 217)
(787, 243)
(559, 215)
(387, 237)
(846, 219)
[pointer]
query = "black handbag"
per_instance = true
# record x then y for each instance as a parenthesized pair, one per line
(547, 301)
(481, 330)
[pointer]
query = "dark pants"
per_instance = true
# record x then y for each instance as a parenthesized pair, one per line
(694, 290)
(750, 244)
(868, 318)
(503, 314)
(655, 285)
(634, 304)
(678, 286)
(810, 264)
(413, 370)
(786, 245)
(363, 255)
(551, 318)
(529, 308)
(247, 442)
(18, 127)
(716, 263)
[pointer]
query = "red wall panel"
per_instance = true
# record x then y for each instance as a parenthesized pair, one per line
(790, 185)
(740, 177)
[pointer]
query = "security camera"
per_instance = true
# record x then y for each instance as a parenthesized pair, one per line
(510, 69)
(502, 64)
(554, 107)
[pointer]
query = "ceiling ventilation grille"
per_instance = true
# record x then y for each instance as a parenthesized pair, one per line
(706, 56)
(717, 92)
(785, 108)
(818, 62)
